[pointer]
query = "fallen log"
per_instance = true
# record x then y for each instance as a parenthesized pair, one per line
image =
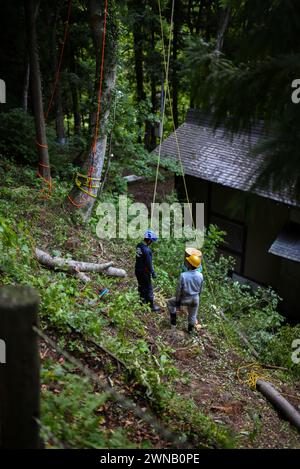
(283, 406)
(280, 403)
(71, 265)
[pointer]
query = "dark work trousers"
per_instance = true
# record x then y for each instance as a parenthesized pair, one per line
(145, 286)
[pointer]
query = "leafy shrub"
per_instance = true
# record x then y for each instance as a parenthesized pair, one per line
(17, 135)
(279, 350)
(17, 140)
(80, 423)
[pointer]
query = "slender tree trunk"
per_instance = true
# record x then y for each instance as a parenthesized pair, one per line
(26, 87)
(150, 138)
(189, 16)
(59, 118)
(76, 109)
(94, 162)
(199, 21)
(223, 28)
(60, 123)
(138, 61)
(75, 94)
(174, 71)
(154, 110)
(31, 9)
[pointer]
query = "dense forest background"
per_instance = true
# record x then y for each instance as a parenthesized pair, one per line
(90, 86)
(219, 49)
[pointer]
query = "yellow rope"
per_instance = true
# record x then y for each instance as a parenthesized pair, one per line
(172, 114)
(81, 184)
(254, 374)
(167, 67)
(89, 178)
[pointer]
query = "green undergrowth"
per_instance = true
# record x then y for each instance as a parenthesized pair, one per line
(72, 411)
(119, 323)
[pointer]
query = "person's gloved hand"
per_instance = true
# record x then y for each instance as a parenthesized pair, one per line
(154, 275)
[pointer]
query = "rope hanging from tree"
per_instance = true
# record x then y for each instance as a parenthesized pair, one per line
(166, 59)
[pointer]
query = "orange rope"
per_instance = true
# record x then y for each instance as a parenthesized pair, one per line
(74, 203)
(57, 74)
(41, 145)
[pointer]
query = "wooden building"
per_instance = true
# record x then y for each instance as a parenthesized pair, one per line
(262, 225)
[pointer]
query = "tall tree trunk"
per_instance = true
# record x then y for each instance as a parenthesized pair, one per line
(154, 110)
(223, 27)
(94, 162)
(199, 21)
(138, 61)
(174, 71)
(137, 9)
(59, 115)
(150, 137)
(60, 124)
(189, 16)
(74, 92)
(31, 9)
(26, 87)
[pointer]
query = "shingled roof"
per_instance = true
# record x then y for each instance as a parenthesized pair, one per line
(217, 156)
(287, 243)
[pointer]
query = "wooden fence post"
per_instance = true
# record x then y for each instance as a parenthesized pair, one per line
(20, 374)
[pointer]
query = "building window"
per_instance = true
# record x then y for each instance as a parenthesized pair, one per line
(234, 241)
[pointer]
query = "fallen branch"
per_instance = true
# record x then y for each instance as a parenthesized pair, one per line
(71, 265)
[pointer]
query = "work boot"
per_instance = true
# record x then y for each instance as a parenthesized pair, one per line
(190, 329)
(154, 307)
(173, 319)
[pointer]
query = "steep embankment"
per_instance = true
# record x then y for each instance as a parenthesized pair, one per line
(189, 383)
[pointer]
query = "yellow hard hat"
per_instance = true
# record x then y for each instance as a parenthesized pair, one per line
(193, 251)
(195, 261)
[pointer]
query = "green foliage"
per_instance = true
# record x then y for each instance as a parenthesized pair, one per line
(73, 412)
(122, 312)
(254, 63)
(279, 350)
(215, 435)
(17, 135)
(118, 322)
(17, 140)
(14, 248)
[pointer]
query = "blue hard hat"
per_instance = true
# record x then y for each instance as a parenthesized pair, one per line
(150, 235)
